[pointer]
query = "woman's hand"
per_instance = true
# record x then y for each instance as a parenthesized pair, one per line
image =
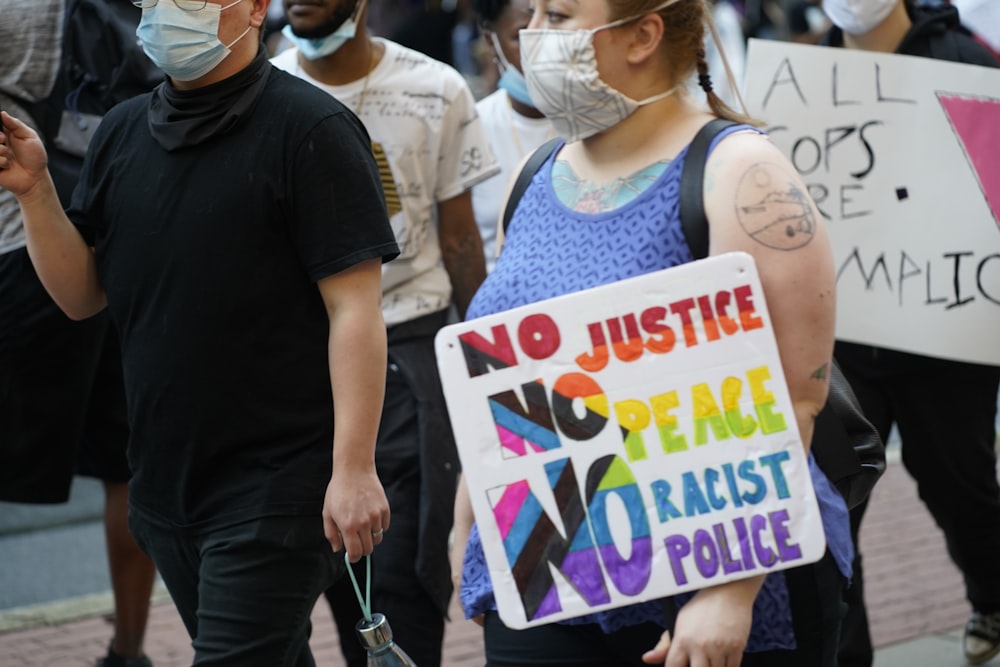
(711, 630)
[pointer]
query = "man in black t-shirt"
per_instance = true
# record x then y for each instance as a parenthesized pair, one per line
(233, 223)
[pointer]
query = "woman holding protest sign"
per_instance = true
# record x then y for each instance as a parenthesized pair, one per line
(603, 207)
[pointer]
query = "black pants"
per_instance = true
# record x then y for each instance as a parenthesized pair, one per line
(946, 414)
(815, 594)
(245, 593)
(416, 621)
(562, 645)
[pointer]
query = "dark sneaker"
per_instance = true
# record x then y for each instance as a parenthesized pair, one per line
(982, 637)
(112, 659)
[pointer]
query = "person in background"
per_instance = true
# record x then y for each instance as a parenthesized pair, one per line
(806, 22)
(427, 26)
(240, 265)
(982, 19)
(62, 401)
(603, 208)
(273, 25)
(432, 150)
(947, 437)
(513, 125)
(764, 19)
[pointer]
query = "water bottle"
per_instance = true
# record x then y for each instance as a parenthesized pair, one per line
(376, 637)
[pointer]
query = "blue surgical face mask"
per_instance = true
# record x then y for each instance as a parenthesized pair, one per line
(314, 49)
(511, 80)
(184, 44)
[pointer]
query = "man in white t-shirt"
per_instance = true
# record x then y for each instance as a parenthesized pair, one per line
(514, 126)
(431, 149)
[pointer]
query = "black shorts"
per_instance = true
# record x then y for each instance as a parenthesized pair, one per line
(62, 400)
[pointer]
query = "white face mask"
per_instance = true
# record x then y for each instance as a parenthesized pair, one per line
(857, 17)
(184, 44)
(313, 49)
(560, 67)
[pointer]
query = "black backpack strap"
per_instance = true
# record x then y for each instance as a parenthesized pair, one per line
(532, 165)
(692, 208)
(692, 205)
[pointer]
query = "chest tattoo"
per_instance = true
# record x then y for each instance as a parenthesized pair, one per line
(589, 197)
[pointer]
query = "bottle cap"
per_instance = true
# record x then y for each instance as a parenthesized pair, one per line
(375, 633)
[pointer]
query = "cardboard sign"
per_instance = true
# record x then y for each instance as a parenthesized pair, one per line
(629, 442)
(901, 155)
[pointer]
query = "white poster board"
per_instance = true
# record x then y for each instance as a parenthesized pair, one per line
(629, 442)
(902, 156)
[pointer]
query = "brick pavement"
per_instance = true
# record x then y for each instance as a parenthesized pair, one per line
(911, 586)
(913, 590)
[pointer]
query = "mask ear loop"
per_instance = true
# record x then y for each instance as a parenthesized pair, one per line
(501, 59)
(366, 601)
(710, 21)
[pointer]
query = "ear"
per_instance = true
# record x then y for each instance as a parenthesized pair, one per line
(647, 34)
(258, 13)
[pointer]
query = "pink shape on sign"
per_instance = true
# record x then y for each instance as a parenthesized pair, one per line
(515, 443)
(511, 441)
(976, 121)
(506, 510)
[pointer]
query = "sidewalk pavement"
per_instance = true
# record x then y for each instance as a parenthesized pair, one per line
(915, 601)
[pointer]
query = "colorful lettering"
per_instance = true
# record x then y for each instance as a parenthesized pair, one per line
(521, 425)
(749, 319)
(666, 423)
(633, 417)
(763, 401)
(482, 354)
(539, 336)
(610, 475)
(710, 549)
(532, 542)
(567, 389)
(707, 414)
(740, 425)
(652, 322)
(665, 508)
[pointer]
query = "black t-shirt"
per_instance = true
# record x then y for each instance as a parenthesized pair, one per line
(209, 257)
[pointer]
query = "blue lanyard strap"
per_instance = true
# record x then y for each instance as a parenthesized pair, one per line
(366, 602)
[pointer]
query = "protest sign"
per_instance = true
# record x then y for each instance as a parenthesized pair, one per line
(629, 442)
(901, 156)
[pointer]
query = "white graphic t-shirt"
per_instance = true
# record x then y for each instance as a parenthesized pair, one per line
(30, 41)
(512, 136)
(431, 147)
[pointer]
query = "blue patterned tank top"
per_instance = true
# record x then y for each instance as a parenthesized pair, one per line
(551, 250)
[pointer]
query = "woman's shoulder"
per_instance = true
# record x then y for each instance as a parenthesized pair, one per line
(742, 151)
(744, 142)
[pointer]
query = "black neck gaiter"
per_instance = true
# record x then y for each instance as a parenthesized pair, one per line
(183, 118)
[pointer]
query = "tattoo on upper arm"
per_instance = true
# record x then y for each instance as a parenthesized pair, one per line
(772, 209)
(821, 373)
